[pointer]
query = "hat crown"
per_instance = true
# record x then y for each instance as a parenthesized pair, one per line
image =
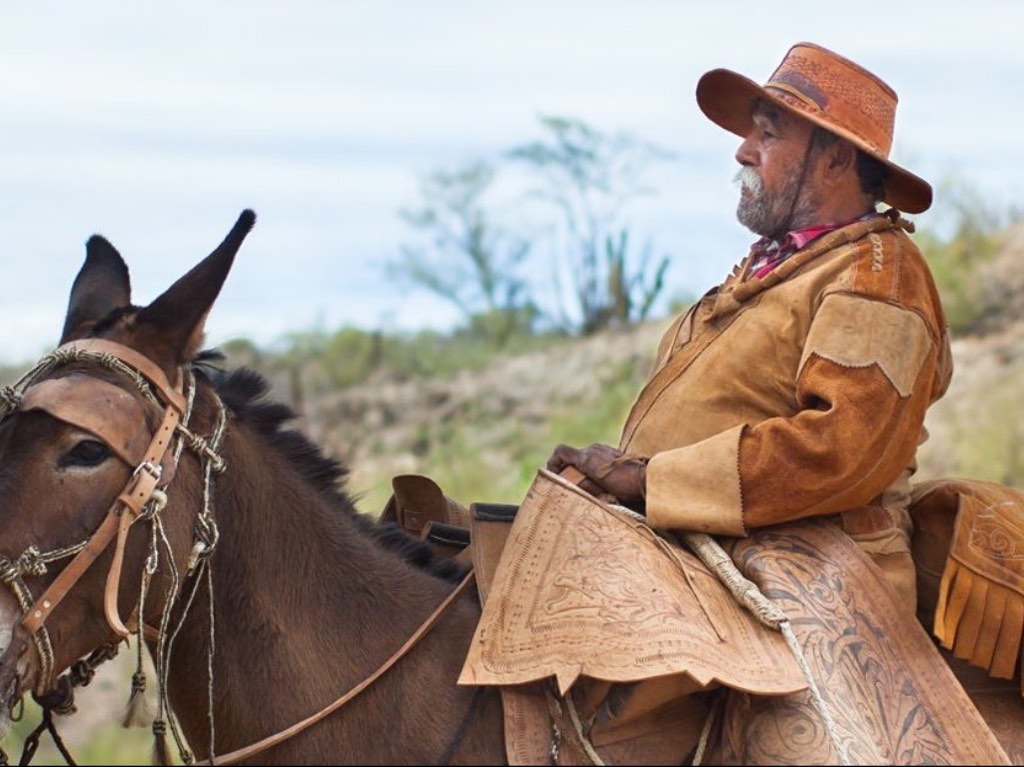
(843, 95)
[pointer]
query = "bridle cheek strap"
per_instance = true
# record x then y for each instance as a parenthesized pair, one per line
(128, 507)
(132, 501)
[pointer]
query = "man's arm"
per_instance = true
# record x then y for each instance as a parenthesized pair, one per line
(865, 382)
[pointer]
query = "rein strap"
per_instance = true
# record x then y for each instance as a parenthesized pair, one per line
(262, 745)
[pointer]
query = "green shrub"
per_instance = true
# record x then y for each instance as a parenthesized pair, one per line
(958, 257)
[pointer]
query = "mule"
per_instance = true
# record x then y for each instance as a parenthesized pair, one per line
(290, 598)
(145, 490)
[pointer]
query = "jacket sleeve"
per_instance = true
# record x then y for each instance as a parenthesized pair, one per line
(864, 383)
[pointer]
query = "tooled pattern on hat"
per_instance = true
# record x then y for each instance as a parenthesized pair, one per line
(878, 113)
(804, 84)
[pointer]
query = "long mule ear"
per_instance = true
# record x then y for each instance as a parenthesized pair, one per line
(101, 287)
(179, 315)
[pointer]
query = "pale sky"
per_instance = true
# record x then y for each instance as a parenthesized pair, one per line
(155, 125)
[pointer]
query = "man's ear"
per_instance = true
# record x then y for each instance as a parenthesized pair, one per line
(836, 163)
(842, 156)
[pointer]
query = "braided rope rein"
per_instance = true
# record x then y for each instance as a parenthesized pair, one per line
(769, 614)
(206, 536)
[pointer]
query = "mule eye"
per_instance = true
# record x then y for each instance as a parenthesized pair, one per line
(88, 452)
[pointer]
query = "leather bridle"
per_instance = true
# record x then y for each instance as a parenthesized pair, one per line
(72, 399)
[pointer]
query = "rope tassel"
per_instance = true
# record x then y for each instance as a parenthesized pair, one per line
(138, 712)
(161, 753)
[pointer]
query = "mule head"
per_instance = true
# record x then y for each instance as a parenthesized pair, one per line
(80, 438)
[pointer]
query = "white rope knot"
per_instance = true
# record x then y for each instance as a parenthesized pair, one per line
(62, 356)
(31, 562)
(8, 570)
(207, 535)
(199, 551)
(10, 400)
(156, 503)
(202, 446)
(108, 359)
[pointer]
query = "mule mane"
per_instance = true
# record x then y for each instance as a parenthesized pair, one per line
(244, 392)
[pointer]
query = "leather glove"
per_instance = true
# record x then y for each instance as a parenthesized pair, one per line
(608, 471)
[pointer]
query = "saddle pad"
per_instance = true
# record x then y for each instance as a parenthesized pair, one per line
(582, 588)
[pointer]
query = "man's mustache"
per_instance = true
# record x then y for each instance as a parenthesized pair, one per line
(748, 180)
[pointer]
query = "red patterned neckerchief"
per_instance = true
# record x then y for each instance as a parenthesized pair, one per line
(767, 253)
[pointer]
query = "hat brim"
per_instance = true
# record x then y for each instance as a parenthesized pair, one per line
(727, 98)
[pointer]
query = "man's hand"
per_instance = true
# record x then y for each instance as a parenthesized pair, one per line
(607, 470)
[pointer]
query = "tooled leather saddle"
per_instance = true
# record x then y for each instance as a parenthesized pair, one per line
(606, 649)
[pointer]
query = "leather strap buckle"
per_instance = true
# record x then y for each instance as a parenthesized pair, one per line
(155, 471)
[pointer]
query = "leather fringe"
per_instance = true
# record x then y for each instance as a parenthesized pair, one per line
(980, 620)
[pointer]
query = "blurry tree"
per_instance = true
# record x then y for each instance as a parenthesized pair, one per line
(467, 259)
(589, 176)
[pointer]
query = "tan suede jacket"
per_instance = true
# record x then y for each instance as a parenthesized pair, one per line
(799, 394)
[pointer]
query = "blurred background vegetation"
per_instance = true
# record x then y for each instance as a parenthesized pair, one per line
(533, 364)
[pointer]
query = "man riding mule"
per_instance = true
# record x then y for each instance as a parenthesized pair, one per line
(797, 389)
(783, 416)
(144, 491)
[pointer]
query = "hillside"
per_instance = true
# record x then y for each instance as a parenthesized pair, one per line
(488, 422)
(485, 432)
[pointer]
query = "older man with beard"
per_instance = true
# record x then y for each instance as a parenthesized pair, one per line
(798, 387)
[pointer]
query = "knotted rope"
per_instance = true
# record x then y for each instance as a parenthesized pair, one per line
(10, 399)
(206, 534)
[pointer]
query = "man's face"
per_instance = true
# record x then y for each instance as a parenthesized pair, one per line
(775, 188)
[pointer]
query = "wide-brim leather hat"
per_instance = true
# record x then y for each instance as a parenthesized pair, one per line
(830, 91)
